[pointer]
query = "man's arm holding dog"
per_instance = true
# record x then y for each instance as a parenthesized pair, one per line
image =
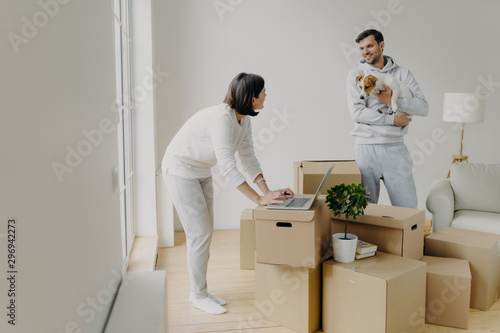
(417, 105)
(400, 119)
(357, 108)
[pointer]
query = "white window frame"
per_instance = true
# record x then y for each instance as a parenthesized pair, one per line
(124, 108)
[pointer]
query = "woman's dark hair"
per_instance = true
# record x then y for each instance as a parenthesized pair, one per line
(242, 90)
(370, 32)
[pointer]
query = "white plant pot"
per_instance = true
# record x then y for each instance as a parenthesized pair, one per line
(344, 250)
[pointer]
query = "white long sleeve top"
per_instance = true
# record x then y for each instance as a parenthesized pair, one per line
(212, 137)
(371, 126)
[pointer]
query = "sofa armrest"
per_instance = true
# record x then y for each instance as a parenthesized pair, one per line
(441, 203)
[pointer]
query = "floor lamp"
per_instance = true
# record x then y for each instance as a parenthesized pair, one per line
(463, 108)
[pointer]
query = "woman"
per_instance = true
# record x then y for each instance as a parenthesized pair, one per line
(211, 137)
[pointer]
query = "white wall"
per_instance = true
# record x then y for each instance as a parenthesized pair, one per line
(59, 85)
(304, 49)
(143, 89)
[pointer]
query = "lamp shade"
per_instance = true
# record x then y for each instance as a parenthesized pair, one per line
(464, 108)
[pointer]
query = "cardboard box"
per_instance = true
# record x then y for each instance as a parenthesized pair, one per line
(289, 296)
(448, 292)
(395, 230)
(292, 238)
(381, 294)
(482, 251)
(308, 175)
(247, 240)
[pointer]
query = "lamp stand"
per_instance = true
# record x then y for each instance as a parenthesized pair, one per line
(459, 157)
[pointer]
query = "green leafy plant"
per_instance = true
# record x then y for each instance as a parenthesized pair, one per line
(347, 200)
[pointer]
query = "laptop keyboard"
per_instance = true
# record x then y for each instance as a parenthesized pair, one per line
(298, 202)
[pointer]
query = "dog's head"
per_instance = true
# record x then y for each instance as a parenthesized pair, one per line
(367, 83)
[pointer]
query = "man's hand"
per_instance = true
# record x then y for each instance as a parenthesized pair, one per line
(385, 96)
(401, 119)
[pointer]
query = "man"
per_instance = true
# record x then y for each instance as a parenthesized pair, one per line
(379, 146)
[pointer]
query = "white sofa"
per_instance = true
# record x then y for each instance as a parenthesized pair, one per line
(469, 199)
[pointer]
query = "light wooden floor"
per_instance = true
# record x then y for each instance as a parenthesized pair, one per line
(226, 280)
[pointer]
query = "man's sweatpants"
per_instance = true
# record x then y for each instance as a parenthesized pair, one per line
(393, 164)
(193, 200)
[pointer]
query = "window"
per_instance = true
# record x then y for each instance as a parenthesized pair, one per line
(125, 126)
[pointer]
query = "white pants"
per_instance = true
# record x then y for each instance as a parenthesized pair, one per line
(393, 164)
(193, 200)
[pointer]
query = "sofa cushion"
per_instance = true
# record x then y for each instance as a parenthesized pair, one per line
(478, 221)
(476, 186)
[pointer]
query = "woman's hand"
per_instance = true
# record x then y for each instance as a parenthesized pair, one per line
(276, 196)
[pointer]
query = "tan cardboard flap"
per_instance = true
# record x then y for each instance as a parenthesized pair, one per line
(247, 214)
(261, 213)
(447, 266)
(390, 216)
(470, 233)
(463, 238)
(317, 167)
(320, 167)
(308, 175)
(384, 266)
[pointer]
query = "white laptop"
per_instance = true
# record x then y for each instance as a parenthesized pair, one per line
(301, 202)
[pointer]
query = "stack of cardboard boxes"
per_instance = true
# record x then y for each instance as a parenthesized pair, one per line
(398, 290)
(289, 248)
(482, 250)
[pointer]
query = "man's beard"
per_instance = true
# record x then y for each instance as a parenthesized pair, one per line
(373, 60)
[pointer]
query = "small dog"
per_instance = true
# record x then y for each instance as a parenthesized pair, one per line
(374, 83)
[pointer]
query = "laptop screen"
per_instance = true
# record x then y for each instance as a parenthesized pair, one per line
(322, 184)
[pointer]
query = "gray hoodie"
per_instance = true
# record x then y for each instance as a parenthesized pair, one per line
(371, 126)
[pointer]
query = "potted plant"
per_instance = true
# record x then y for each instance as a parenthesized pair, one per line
(349, 201)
